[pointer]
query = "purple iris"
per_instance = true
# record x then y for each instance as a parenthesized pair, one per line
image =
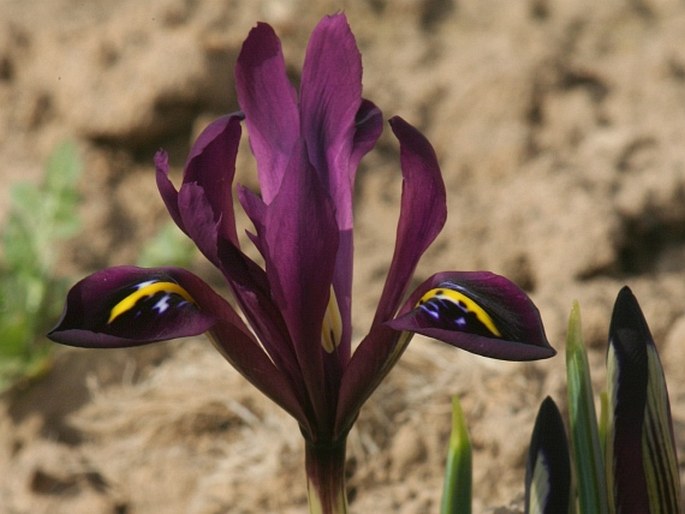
(293, 340)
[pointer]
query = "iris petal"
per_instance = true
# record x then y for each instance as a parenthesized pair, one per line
(269, 102)
(128, 306)
(423, 212)
(479, 312)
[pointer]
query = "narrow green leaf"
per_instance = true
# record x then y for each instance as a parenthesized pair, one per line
(592, 496)
(456, 495)
(603, 419)
(661, 461)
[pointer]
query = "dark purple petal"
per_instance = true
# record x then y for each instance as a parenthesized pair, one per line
(300, 242)
(237, 344)
(129, 306)
(423, 212)
(251, 289)
(167, 189)
(373, 359)
(203, 207)
(479, 312)
(200, 221)
(330, 97)
(368, 128)
(269, 102)
(211, 165)
(338, 129)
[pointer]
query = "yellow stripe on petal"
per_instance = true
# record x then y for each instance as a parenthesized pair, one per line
(143, 290)
(463, 303)
(332, 328)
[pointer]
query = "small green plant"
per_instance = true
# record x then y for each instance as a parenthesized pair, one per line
(30, 293)
(168, 246)
(627, 463)
(456, 494)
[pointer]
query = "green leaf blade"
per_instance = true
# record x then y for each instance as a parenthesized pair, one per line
(585, 440)
(456, 495)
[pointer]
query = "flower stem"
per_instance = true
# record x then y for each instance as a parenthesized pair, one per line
(325, 466)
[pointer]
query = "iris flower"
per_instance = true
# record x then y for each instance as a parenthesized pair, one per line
(293, 340)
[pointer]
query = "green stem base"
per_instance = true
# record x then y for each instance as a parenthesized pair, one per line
(325, 466)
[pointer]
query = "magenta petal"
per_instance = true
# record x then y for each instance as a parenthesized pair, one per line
(368, 128)
(203, 207)
(269, 102)
(300, 242)
(479, 312)
(211, 165)
(370, 363)
(167, 189)
(250, 287)
(129, 306)
(422, 213)
(330, 96)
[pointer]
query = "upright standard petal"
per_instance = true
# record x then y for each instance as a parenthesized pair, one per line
(269, 102)
(203, 206)
(422, 215)
(423, 212)
(479, 312)
(300, 241)
(339, 128)
(330, 98)
(129, 306)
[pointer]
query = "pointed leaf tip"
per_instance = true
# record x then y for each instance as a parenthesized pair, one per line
(456, 494)
(548, 467)
(641, 454)
(592, 496)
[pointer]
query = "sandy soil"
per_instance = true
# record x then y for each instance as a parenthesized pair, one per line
(559, 126)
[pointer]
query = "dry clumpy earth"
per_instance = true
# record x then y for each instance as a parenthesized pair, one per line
(559, 125)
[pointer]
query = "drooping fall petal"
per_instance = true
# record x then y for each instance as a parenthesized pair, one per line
(642, 468)
(479, 312)
(129, 306)
(548, 467)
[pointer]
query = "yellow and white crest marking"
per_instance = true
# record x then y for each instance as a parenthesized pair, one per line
(462, 302)
(146, 289)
